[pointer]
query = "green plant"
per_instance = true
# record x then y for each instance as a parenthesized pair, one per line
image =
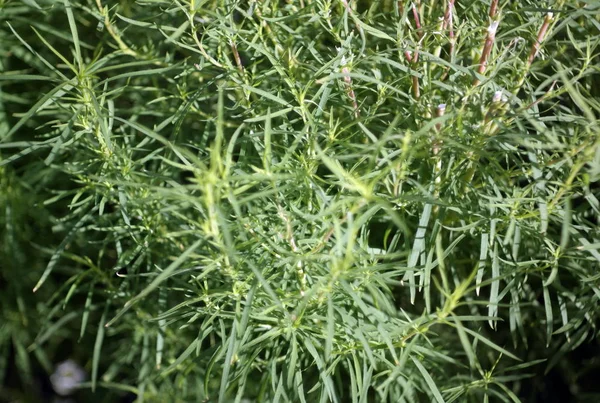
(300, 201)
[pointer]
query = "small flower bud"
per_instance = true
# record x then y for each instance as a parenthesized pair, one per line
(441, 109)
(67, 376)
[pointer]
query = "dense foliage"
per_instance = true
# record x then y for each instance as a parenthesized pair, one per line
(302, 201)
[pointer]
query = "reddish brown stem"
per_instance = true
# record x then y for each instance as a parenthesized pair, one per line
(414, 58)
(349, 10)
(351, 94)
(448, 24)
(439, 112)
(347, 7)
(448, 20)
(487, 49)
(236, 56)
(493, 9)
(540, 38)
(448, 15)
(417, 20)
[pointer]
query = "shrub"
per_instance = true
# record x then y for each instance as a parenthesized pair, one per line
(300, 201)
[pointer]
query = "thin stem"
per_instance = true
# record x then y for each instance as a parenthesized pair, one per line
(414, 58)
(400, 7)
(535, 47)
(448, 24)
(415, 87)
(540, 38)
(351, 14)
(113, 32)
(436, 146)
(212, 60)
(493, 9)
(351, 95)
(417, 20)
(236, 56)
(487, 50)
(449, 20)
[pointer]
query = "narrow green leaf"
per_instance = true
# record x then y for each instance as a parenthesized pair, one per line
(417, 249)
(86, 310)
(62, 246)
(267, 157)
(166, 273)
(366, 382)
(483, 252)
(24, 77)
(57, 91)
(427, 280)
(345, 178)
(373, 31)
(98, 347)
(74, 33)
(490, 343)
(56, 52)
(162, 326)
(430, 382)
(464, 340)
(56, 326)
(292, 367)
(37, 55)
(269, 115)
(231, 347)
(549, 315)
(330, 330)
(494, 300)
(22, 361)
(247, 309)
(265, 94)
(327, 381)
(32, 3)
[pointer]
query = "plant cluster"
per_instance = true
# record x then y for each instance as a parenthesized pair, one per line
(304, 201)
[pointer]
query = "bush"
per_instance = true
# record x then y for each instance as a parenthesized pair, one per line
(300, 201)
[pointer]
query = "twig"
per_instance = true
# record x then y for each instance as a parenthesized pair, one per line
(448, 24)
(351, 14)
(414, 58)
(417, 20)
(493, 9)
(437, 143)
(449, 21)
(487, 50)
(400, 7)
(351, 95)
(236, 56)
(113, 32)
(436, 146)
(540, 38)
(543, 31)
